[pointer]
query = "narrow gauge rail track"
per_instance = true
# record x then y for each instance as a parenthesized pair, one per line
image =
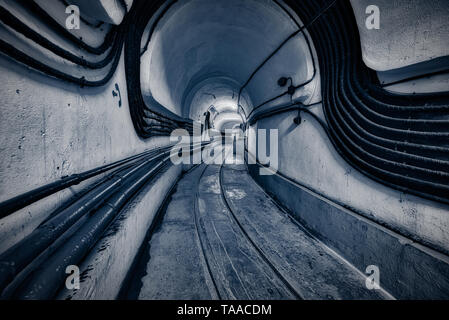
(267, 260)
(280, 286)
(209, 274)
(35, 267)
(221, 237)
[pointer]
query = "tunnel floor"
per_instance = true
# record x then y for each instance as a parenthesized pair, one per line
(222, 237)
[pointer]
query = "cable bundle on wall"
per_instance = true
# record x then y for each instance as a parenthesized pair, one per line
(113, 42)
(399, 140)
(147, 122)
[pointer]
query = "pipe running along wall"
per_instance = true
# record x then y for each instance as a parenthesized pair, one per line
(139, 69)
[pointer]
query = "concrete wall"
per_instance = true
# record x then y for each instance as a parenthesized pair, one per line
(221, 93)
(200, 39)
(226, 120)
(307, 156)
(411, 31)
(407, 269)
(412, 40)
(109, 11)
(106, 267)
(222, 43)
(50, 129)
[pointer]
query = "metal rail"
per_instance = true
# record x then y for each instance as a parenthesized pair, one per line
(399, 140)
(70, 233)
(21, 201)
(262, 254)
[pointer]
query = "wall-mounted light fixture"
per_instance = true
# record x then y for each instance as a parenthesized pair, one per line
(282, 82)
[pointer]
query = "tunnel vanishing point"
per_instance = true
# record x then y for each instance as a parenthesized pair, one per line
(324, 123)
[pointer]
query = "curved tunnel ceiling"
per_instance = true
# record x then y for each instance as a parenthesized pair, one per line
(227, 120)
(219, 93)
(215, 43)
(391, 138)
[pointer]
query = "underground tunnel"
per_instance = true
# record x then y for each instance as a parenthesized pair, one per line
(224, 150)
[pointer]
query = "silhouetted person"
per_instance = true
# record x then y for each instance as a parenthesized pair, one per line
(207, 120)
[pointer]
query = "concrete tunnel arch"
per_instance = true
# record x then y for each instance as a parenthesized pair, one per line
(344, 169)
(201, 53)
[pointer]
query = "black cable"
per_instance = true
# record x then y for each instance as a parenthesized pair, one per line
(14, 204)
(296, 106)
(413, 161)
(155, 23)
(141, 13)
(23, 58)
(300, 30)
(100, 23)
(32, 254)
(427, 75)
(124, 5)
(62, 31)
(308, 45)
(10, 20)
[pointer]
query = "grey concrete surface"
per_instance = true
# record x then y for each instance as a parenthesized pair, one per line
(222, 39)
(50, 129)
(201, 53)
(105, 269)
(175, 269)
(306, 155)
(239, 270)
(110, 11)
(411, 31)
(407, 269)
(316, 271)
